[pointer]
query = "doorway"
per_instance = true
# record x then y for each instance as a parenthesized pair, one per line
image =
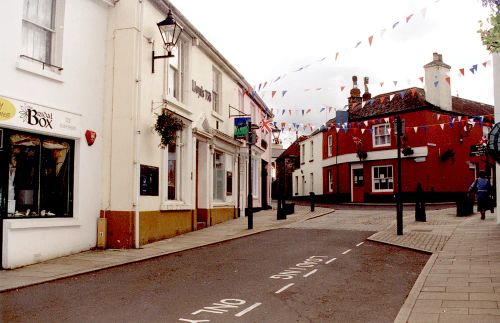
(264, 174)
(357, 183)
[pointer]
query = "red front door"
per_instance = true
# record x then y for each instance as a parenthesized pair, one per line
(357, 182)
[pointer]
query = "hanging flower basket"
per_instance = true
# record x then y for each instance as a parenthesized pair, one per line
(449, 153)
(362, 154)
(407, 151)
(167, 125)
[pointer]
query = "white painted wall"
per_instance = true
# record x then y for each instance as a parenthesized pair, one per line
(78, 90)
(310, 164)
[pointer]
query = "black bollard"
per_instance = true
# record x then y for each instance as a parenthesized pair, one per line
(312, 201)
(419, 204)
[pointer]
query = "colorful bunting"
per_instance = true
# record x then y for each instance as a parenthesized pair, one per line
(408, 18)
(370, 39)
(395, 24)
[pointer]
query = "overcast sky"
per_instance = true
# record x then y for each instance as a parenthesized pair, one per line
(267, 39)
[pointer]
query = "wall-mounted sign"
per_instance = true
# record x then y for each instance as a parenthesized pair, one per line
(7, 109)
(207, 95)
(30, 116)
(241, 127)
(149, 180)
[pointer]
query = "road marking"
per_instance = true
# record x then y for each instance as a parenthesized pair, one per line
(248, 309)
(346, 251)
(310, 273)
(330, 261)
(359, 244)
(283, 288)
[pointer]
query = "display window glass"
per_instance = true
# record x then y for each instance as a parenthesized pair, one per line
(39, 177)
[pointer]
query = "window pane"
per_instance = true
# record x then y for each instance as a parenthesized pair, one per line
(37, 42)
(172, 171)
(54, 178)
(173, 82)
(23, 176)
(219, 172)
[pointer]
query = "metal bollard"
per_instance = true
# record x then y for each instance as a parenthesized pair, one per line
(312, 201)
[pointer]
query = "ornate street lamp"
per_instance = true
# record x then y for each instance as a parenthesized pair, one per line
(170, 32)
(276, 135)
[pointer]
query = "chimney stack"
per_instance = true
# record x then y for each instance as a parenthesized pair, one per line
(355, 97)
(437, 88)
(367, 95)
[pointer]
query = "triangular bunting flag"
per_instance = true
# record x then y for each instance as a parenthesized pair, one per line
(273, 93)
(363, 131)
(342, 88)
(381, 84)
(277, 79)
(302, 111)
(382, 99)
(364, 103)
(283, 112)
(337, 55)
(260, 84)
(459, 118)
(322, 109)
(386, 120)
(408, 18)
(265, 83)
(448, 80)
(402, 93)
(395, 83)
(322, 59)
(395, 24)
(370, 39)
(462, 71)
(413, 91)
(359, 43)
(473, 68)
(438, 116)
(391, 97)
(290, 112)
(283, 93)
(436, 83)
(415, 129)
(421, 79)
(329, 110)
(486, 63)
(366, 123)
(442, 126)
(308, 110)
(389, 130)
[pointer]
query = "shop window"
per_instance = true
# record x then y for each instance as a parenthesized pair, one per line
(330, 181)
(39, 176)
(382, 179)
(172, 172)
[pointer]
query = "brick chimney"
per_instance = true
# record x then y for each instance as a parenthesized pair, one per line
(437, 88)
(355, 98)
(367, 95)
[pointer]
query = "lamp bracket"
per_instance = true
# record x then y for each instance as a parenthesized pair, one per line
(241, 113)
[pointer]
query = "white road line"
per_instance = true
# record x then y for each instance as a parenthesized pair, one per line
(359, 244)
(346, 251)
(310, 273)
(330, 261)
(283, 288)
(248, 309)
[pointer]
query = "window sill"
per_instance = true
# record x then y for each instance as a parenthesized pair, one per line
(19, 224)
(175, 206)
(222, 204)
(381, 146)
(36, 68)
(217, 116)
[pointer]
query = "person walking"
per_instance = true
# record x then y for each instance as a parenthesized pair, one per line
(481, 186)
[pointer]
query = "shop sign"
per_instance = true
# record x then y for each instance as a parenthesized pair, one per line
(7, 109)
(241, 127)
(207, 95)
(30, 116)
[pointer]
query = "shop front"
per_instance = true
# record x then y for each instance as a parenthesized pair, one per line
(37, 182)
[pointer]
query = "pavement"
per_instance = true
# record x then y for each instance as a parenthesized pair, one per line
(459, 283)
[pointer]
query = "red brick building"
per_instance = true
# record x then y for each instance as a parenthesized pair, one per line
(360, 156)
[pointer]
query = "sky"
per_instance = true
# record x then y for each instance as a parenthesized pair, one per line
(298, 41)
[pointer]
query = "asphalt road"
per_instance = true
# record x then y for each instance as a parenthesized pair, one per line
(285, 275)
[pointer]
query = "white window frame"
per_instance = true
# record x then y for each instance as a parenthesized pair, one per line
(255, 177)
(390, 179)
(177, 64)
(330, 146)
(241, 100)
(312, 150)
(302, 153)
(223, 180)
(296, 185)
(54, 41)
(179, 151)
(216, 90)
(386, 134)
(330, 180)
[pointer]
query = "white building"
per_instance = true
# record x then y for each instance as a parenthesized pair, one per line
(150, 193)
(51, 92)
(309, 177)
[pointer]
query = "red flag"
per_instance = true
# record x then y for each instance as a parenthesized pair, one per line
(448, 80)
(342, 88)
(382, 99)
(462, 71)
(273, 93)
(370, 39)
(421, 79)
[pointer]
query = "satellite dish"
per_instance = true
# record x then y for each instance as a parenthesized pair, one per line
(494, 142)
